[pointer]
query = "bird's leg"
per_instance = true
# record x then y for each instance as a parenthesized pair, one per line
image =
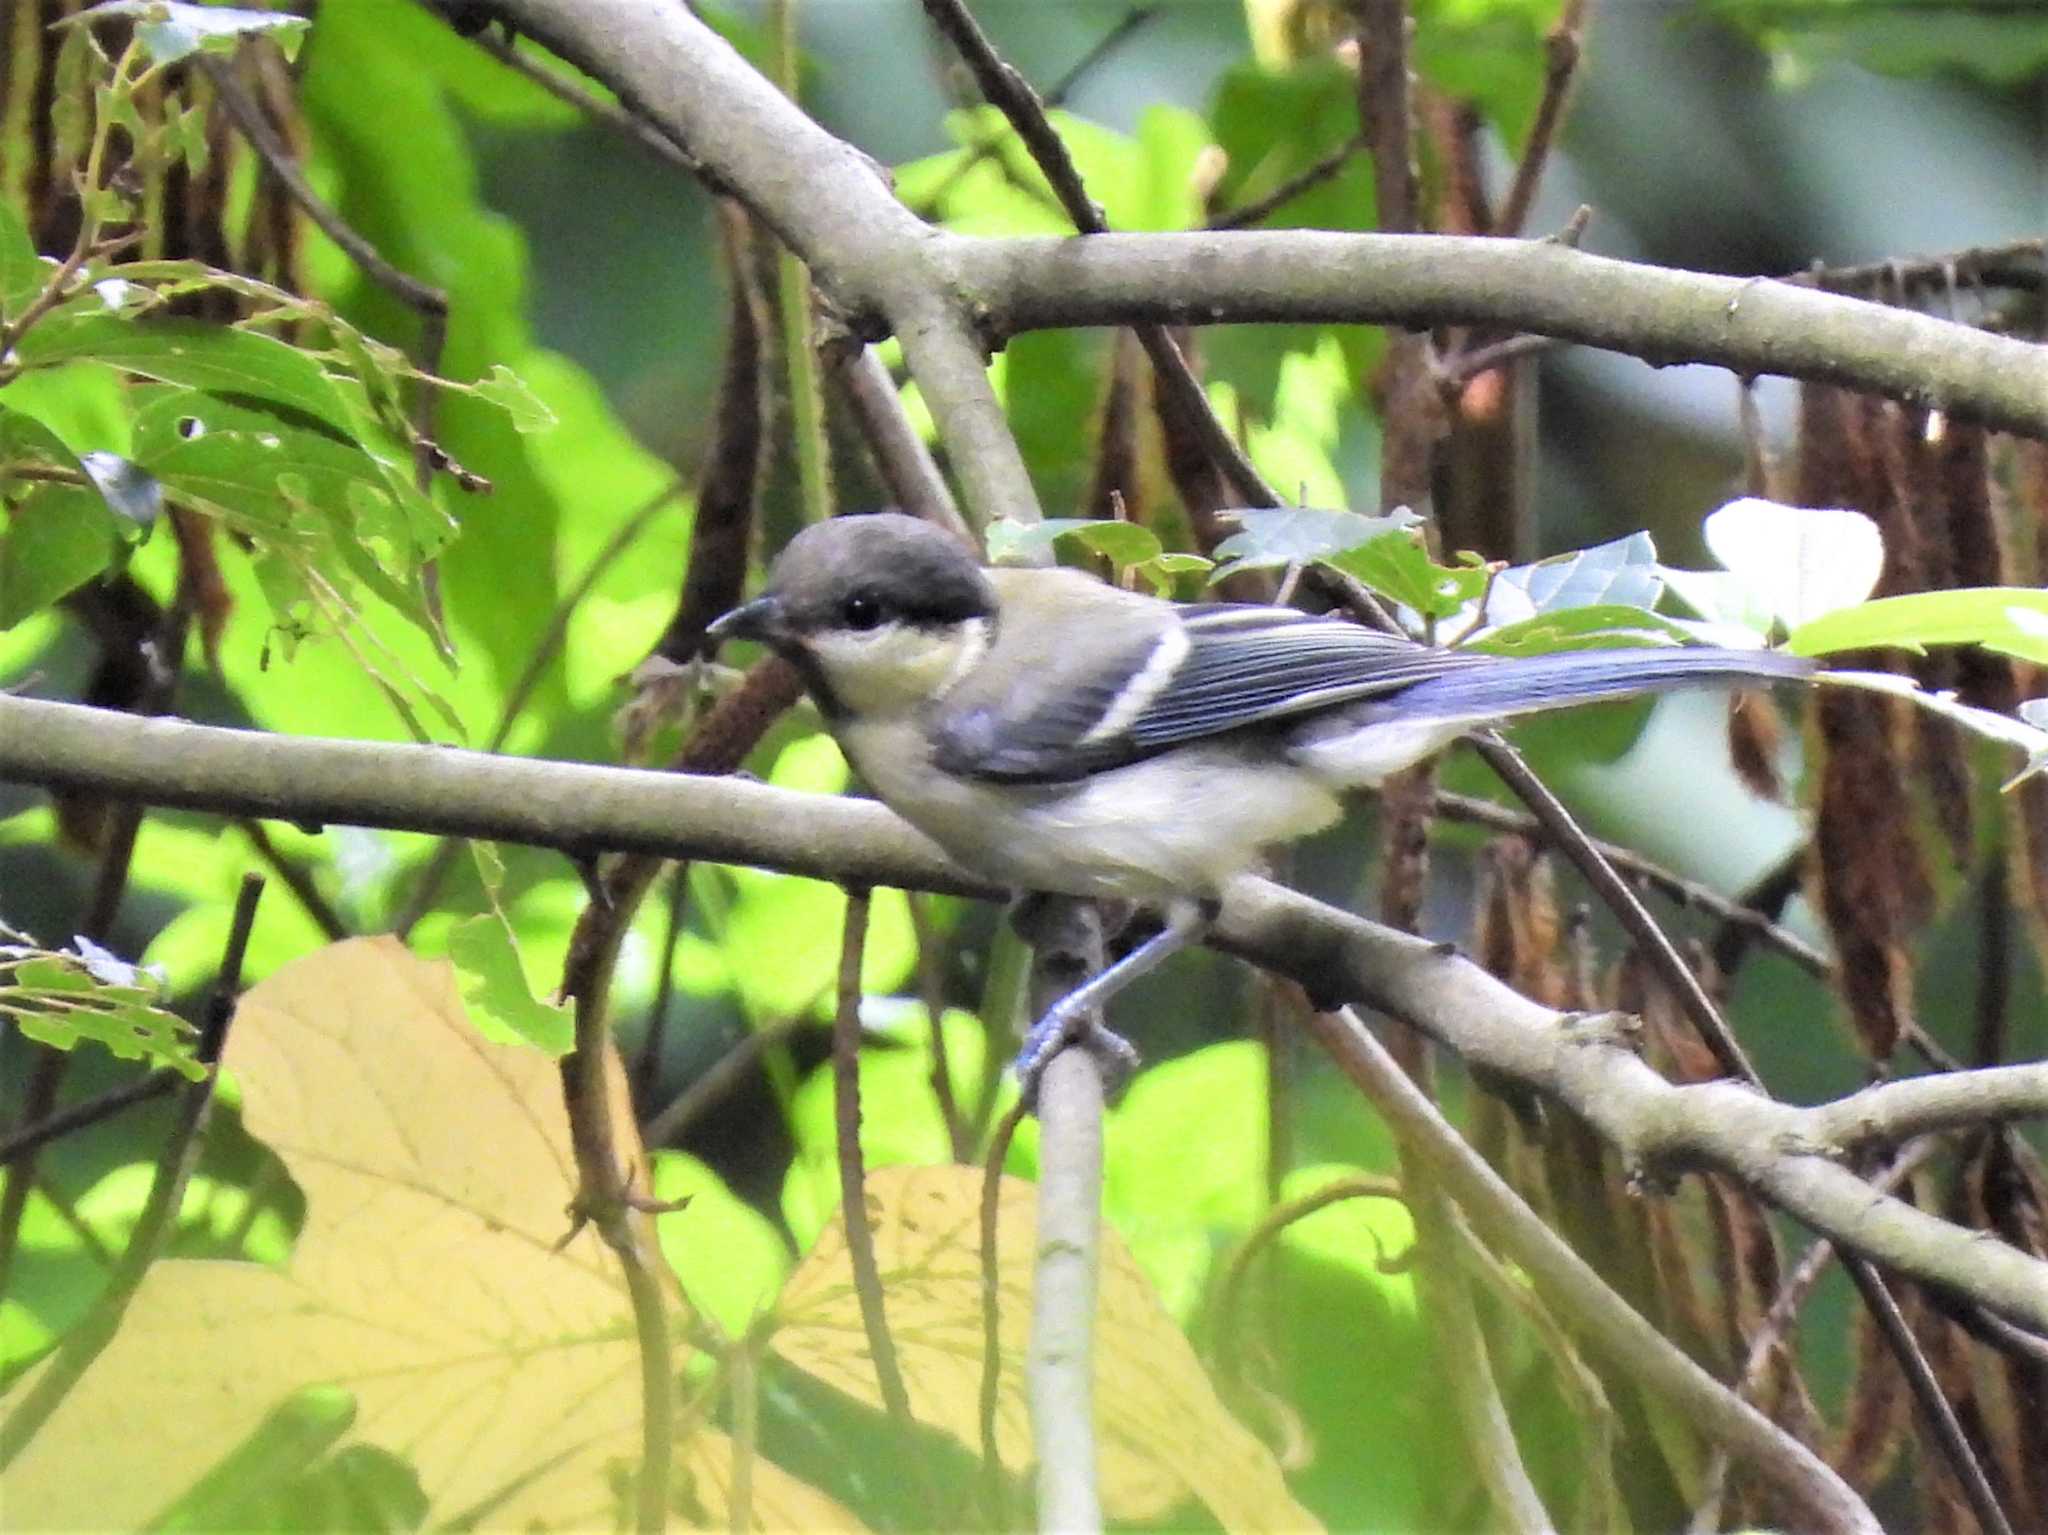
(1071, 1019)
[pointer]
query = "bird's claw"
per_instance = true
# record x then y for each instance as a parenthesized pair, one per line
(1061, 1027)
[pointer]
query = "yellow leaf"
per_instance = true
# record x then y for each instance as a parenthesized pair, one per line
(436, 1170)
(1163, 1433)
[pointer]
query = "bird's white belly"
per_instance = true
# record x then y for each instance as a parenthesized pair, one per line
(1151, 831)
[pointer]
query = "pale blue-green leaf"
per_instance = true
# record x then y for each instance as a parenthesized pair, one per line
(1289, 535)
(1622, 573)
(129, 490)
(172, 29)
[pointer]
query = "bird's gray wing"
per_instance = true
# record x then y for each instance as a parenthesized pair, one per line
(1223, 667)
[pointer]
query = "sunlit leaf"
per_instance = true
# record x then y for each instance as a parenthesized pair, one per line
(485, 954)
(1270, 537)
(22, 271)
(1165, 1437)
(59, 999)
(2012, 620)
(1396, 566)
(425, 1283)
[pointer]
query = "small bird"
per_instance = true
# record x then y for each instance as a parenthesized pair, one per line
(1061, 736)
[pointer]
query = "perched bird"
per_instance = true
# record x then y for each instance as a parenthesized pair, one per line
(1061, 736)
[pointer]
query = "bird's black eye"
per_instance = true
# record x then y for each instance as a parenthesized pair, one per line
(863, 610)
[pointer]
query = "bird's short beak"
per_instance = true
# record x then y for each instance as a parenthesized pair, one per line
(760, 619)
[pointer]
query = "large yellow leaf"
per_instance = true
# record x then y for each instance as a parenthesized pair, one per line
(1164, 1434)
(436, 1169)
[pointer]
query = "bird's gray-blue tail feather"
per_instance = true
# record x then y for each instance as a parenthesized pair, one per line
(1524, 685)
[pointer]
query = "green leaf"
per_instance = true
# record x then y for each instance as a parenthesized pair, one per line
(306, 492)
(170, 30)
(505, 389)
(1606, 626)
(494, 986)
(58, 538)
(210, 357)
(1123, 544)
(1176, 1168)
(730, 1258)
(1270, 537)
(22, 271)
(2012, 620)
(1396, 566)
(2005, 46)
(55, 999)
(1800, 562)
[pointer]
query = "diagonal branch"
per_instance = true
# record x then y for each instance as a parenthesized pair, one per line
(1785, 1153)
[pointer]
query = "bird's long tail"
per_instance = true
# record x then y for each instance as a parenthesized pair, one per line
(1528, 684)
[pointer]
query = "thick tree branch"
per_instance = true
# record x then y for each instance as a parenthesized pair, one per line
(1749, 325)
(1788, 1155)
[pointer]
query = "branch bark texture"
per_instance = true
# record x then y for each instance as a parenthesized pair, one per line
(1791, 1156)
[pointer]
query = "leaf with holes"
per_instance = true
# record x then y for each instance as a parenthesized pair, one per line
(57, 1000)
(242, 363)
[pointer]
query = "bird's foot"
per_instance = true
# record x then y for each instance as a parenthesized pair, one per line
(1065, 1025)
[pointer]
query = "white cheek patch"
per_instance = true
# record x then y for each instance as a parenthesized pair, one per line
(878, 671)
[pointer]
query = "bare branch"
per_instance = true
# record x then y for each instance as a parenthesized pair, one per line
(1785, 1153)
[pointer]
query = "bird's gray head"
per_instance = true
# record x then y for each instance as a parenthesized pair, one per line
(873, 602)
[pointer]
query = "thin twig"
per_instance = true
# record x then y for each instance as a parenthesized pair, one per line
(1595, 1311)
(595, 107)
(994, 1486)
(904, 462)
(296, 878)
(1226, 1305)
(1307, 180)
(1561, 53)
(153, 1227)
(1570, 839)
(1773, 1332)
(654, 1033)
(932, 980)
(1489, 1433)
(545, 648)
(81, 1116)
(673, 1122)
(429, 301)
(1689, 893)
(1011, 94)
(163, 653)
(853, 1210)
(1713, 1029)
(2021, 264)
